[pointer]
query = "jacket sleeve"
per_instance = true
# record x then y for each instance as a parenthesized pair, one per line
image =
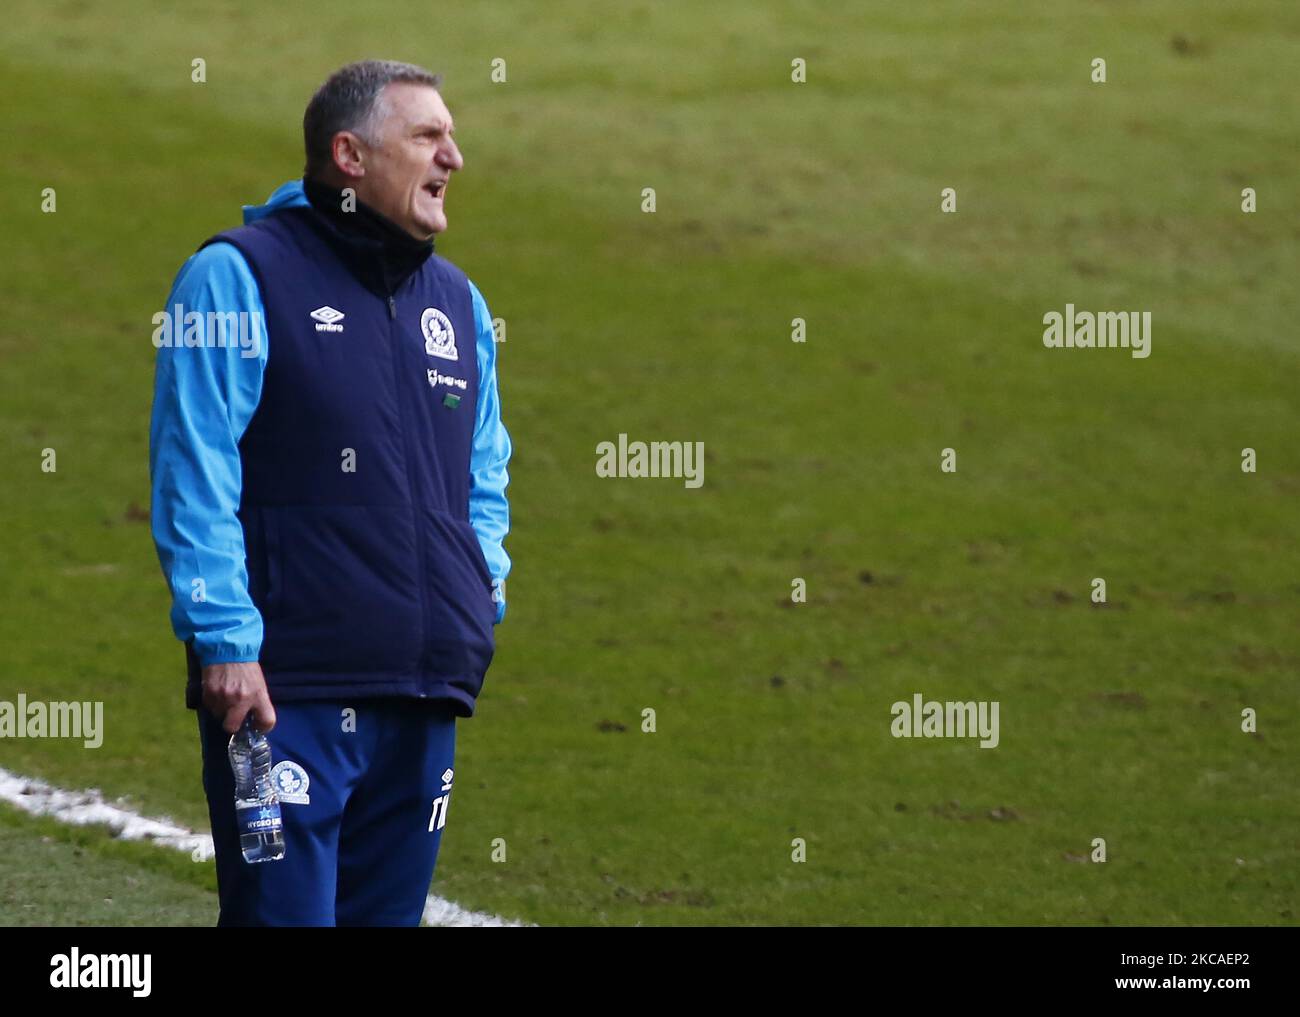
(204, 396)
(489, 512)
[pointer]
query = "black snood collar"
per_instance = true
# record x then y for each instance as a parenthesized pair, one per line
(379, 252)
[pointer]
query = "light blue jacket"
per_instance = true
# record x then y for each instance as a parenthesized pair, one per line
(203, 401)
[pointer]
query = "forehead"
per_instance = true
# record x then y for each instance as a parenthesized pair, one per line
(416, 104)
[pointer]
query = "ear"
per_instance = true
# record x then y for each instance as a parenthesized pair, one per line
(348, 154)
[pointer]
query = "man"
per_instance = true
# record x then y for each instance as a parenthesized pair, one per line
(329, 504)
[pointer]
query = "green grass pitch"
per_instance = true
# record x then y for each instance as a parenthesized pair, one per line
(774, 200)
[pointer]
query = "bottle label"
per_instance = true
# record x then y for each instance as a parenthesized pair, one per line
(257, 818)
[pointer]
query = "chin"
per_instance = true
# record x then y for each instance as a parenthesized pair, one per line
(429, 221)
(425, 230)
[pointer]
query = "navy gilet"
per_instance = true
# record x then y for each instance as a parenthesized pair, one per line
(356, 473)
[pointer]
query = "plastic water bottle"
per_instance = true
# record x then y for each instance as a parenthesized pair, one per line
(257, 806)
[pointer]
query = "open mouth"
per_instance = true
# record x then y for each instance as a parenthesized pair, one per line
(436, 188)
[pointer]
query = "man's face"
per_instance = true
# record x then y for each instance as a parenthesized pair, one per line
(406, 173)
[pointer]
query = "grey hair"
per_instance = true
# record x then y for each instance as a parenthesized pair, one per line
(352, 100)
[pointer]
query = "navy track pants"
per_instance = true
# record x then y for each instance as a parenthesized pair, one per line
(364, 787)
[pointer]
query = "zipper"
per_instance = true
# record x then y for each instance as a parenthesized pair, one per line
(404, 421)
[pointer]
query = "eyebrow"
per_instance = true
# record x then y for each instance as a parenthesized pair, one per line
(448, 126)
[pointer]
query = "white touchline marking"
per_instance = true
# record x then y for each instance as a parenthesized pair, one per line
(85, 808)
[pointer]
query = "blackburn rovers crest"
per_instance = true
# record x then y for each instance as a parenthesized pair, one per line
(291, 782)
(439, 336)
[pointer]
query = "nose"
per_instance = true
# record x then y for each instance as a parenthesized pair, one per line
(449, 155)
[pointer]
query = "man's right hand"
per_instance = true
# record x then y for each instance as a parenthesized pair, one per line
(231, 691)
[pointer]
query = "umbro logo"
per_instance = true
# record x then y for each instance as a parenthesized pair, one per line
(327, 319)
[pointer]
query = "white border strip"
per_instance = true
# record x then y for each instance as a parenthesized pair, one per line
(84, 808)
